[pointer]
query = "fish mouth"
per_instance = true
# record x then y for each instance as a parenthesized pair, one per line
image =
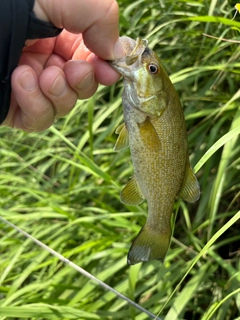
(141, 45)
(134, 50)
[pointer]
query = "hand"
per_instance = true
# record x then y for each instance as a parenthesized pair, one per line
(53, 73)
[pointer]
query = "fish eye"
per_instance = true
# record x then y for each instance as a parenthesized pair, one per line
(153, 68)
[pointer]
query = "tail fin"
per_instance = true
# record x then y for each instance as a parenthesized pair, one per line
(150, 244)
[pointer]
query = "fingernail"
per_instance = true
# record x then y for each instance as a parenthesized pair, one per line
(118, 49)
(86, 81)
(28, 81)
(58, 86)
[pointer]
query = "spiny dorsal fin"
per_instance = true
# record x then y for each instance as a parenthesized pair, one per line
(122, 140)
(131, 193)
(190, 191)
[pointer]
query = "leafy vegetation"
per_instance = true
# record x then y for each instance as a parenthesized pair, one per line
(62, 186)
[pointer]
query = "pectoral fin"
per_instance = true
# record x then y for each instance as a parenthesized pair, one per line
(131, 193)
(122, 140)
(190, 191)
(149, 135)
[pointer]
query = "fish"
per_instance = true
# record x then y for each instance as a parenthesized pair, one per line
(154, 128)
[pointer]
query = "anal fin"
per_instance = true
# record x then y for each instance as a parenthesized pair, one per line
(190, 191)
(131, 193)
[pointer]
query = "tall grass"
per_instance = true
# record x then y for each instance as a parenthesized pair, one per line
(62, 186)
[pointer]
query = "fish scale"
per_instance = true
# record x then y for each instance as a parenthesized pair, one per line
(155, 130)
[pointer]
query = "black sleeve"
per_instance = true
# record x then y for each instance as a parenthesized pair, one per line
(17, 24)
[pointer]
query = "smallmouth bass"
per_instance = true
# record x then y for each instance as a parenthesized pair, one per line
(154, 129)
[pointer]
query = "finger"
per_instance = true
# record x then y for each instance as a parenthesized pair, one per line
(102, 36)
(104, 74)
(37, 55)
(55, 87)
(55, 60)
(80, 76)
(71, 46)
(30, 109)
(97, 20)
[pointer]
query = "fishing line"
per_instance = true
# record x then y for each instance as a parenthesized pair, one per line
(222, 39)
(80, 270)
(237, 7)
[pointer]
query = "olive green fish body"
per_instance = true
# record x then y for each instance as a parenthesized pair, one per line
(156, 132)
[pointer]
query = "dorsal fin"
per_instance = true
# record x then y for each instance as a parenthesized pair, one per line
(190, 191)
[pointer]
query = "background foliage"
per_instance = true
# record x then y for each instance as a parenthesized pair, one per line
(62, 186)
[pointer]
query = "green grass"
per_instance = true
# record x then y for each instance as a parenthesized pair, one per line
(62, 186)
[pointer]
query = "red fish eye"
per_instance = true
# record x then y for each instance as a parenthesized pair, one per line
(153, 68)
